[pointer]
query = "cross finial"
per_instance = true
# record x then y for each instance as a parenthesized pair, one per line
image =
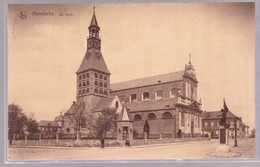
(94, 9)
(189, 58)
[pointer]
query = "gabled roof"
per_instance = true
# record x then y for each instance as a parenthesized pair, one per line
(216, 115)
(164, 78)
(151, 105)
(48, 123)
(124, 115)
(93, 60)
(103, 103)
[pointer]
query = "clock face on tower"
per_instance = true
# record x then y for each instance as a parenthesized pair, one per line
(90, 43)
(96, 43)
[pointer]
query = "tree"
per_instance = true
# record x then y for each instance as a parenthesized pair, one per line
(79, 117)
(17, 120)
(32, 126)
(105, 122)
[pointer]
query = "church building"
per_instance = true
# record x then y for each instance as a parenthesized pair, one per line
(159, 106)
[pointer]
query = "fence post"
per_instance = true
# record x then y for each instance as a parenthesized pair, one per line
(57, 137)
(145, 135)
(78, 135)
(25, 137)
(40, 137)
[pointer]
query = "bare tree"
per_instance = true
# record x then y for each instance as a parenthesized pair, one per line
(79, 116)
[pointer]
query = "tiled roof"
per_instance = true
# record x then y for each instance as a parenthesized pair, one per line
(103, 103)
(72, 109)
(215, 115)
(47, 123)
(151, 105)
(93, 60)
(164, 78)
(59, 118)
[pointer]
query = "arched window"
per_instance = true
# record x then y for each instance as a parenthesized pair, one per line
(159, 94)
(117, 104)
(151, 116)
(100, 76)
(101, 91)
(146, 96)
(79, 92)
(96, 83)
(133, 98)
(105, 85)
(84, 76)
(167, 115)
(96, 90)
(100, 84)
(105, 77)
(83, 91)
(87, 75)
(84, 83)
(96, 75)
(182, 119)
(87, 82)
(105, 92)
(80, 84)
(87, 90)
(79, 77)
(137, 117)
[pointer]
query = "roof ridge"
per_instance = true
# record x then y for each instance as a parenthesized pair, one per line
(149, 77)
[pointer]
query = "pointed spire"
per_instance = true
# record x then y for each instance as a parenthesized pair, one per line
(93, 22)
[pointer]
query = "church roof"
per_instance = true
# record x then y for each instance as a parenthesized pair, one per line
(48, 123)
(215, 115)
(72, 109)
(151, 105)
(103, 103)
(163, 78)
(93, 60)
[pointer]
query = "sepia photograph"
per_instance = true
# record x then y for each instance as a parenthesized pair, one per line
(131, 81)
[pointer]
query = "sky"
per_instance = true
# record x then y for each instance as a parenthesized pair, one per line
(137, 40)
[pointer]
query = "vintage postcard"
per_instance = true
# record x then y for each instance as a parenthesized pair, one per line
(131, 81)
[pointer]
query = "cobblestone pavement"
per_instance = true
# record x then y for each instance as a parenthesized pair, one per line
(189, 150)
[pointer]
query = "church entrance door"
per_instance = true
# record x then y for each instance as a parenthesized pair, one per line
(125, 132)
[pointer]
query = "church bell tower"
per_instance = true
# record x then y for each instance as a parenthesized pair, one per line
(93, 76)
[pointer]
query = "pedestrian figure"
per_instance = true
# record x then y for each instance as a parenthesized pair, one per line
(127, 143)
(102, 142)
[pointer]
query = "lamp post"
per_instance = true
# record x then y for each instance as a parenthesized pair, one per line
(235, 145)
